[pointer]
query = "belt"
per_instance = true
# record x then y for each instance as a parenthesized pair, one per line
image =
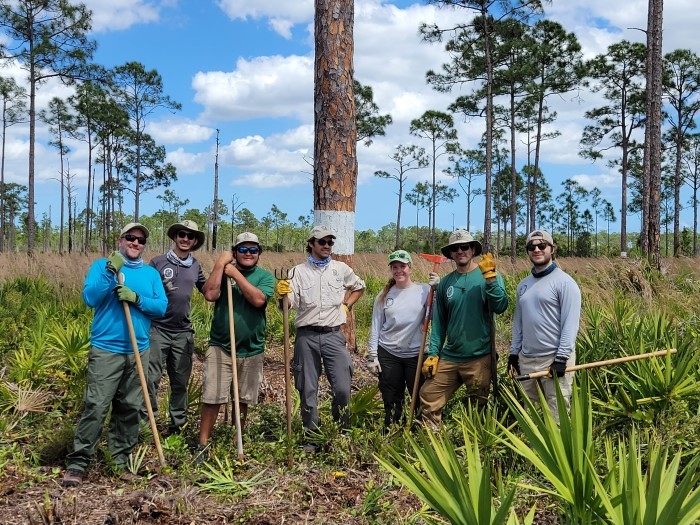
(319, 329)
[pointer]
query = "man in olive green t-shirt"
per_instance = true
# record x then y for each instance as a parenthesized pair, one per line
(252, 287)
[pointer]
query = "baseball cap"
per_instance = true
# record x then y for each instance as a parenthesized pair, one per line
(320, 231)
(400, 256)
(133, 225)
(539, 235)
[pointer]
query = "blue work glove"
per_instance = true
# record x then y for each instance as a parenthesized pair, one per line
(115, 262)
(558, 368)
(126, 294)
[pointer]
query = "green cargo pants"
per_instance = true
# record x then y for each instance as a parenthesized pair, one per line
(113, 380)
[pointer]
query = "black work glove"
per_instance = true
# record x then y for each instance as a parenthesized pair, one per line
(513, 365)
(558, 368)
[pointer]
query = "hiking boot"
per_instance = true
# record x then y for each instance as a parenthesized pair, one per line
(201, 454)
(310, 448)
(73, 478)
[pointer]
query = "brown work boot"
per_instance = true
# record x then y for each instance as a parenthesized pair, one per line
(73, 478)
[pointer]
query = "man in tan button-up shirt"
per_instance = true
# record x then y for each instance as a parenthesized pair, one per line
(318, 291)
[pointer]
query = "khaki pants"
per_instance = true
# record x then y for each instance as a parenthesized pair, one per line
(529, 365)
(218, 376)
(437, 391)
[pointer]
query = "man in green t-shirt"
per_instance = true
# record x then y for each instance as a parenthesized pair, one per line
(252, 287)
(460, 339)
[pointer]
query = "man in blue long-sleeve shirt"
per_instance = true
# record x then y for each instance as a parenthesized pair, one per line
(113, 378)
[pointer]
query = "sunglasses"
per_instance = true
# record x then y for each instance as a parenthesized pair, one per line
(246, 249)
(131, 238)
(541, 246)
(323, 242)
(182, 234)
(463, 247)
(397, 256)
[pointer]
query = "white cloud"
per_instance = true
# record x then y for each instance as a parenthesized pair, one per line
(256, 153)
(179, 131)
(272, 87)
(602, 181)
(189, 163)
(270, 180)
(108, 15)
(282, 14)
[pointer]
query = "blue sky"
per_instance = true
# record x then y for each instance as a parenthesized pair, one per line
(245, 67)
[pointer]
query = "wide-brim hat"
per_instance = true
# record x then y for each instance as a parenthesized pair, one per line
(133, 225)
(461, 237)
(320, 231)
(189, 226)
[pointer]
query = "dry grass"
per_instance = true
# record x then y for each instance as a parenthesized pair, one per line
(70, 270)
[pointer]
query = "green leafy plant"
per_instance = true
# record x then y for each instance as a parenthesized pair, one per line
(655, 497)
(135, 461)
(562, 453)
(459, 494)
(221, 478)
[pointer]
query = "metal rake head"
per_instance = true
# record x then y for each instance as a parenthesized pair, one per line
(284, 274)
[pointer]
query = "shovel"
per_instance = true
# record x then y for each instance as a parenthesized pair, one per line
(437, 260)
(142, 377)
(597, 364)
(236, 407)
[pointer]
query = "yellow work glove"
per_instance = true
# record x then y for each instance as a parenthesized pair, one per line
(487, 265)
(430, 366)
(283, 287)
(347, 309)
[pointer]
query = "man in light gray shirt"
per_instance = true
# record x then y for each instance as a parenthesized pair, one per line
(545, 324)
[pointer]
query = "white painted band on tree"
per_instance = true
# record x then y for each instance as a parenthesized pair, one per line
(342, 223)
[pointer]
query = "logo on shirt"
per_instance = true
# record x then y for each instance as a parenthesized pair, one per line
(389, 302)
(168, 273)
(450, 291)
(521, 292)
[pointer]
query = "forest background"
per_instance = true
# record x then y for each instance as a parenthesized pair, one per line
(564, 98)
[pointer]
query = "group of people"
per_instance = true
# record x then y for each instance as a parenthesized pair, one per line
(323, 291)
(461, 349)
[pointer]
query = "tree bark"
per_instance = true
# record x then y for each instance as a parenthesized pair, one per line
(653, 143)
(335, 144)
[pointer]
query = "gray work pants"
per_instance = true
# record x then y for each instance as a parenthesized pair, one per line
(172, 352)
(315, 352)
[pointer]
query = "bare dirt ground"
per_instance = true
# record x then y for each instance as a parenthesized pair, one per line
(308, 491)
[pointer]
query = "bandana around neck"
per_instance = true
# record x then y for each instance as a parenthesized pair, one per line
(549, 270)
(319, 264)
(137, 263)
(173, 258)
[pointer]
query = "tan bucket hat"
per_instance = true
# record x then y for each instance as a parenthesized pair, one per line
(189, 226)
(461, 237)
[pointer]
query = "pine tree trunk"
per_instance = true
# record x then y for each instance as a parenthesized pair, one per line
(335, 152)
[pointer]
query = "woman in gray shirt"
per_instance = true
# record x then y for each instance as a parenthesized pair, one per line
(395, 336)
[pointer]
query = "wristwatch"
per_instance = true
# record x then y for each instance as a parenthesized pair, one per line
(348, 306)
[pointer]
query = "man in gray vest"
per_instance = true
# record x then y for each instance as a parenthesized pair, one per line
(172, 336)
